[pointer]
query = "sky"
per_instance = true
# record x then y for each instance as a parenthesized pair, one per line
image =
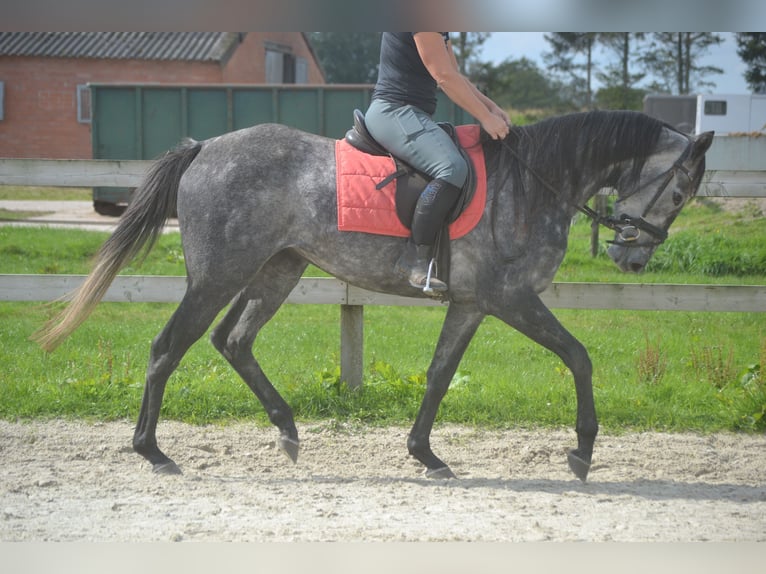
(515, 45)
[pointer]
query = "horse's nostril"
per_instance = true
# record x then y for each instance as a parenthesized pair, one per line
(636, 267)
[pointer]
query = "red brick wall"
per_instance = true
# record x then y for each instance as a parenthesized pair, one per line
(40, 109)
(40, 115)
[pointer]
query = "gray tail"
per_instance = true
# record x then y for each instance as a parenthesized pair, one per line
(139, 228)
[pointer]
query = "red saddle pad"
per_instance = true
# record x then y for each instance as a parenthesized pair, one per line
(363, 208)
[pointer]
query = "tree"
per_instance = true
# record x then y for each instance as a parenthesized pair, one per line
(673, 57)
(619, 90)
(467, 46)
(751, 47)
(519, 84)
(353, 57)
(620, 98)
(565, 47)
(348, 57)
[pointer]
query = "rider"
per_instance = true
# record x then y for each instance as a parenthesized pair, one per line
(412, 65)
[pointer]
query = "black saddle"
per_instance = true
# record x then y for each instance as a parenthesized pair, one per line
(361, 139)
(409, 181)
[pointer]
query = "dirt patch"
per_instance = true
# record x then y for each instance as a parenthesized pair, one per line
(74, 481)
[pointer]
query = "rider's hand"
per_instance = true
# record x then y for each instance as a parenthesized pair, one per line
(495, 126)
(502, 114)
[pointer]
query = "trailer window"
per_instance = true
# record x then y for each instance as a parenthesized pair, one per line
(715, 108)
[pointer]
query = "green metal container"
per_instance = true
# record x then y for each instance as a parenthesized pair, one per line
(132, 121)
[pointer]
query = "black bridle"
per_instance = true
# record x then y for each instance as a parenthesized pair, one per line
(627, 228)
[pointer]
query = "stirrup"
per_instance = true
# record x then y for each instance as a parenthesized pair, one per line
(433, 287)
(427, 289)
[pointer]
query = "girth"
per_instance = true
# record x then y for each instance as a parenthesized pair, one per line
(409, 181)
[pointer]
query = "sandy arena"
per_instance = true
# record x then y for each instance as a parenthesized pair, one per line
(76, 481)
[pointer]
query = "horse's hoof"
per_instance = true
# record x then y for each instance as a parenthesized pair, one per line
(443, 472)
(166, 468)
(290, 447)
(578, 465)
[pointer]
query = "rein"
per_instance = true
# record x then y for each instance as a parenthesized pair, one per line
(627, 228)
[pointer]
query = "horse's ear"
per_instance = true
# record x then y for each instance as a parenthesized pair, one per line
(701, 144)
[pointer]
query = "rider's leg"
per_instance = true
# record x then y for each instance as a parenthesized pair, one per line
(413, 136)
(431, 211)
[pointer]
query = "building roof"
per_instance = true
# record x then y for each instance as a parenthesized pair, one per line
(185, 46)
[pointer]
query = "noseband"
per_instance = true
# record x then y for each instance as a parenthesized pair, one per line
(627, 228)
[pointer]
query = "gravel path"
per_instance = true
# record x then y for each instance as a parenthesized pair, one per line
(75, 481)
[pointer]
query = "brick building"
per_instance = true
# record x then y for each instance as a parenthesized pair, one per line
(44, 100)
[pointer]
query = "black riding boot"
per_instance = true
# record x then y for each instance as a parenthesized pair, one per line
(432, 208)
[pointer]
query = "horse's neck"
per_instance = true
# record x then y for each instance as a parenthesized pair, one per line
(572, 194)
(589, 182)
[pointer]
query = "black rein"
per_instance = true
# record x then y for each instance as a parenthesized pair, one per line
(627, 228)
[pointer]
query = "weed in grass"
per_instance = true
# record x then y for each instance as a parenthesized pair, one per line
(753, 388)
(753, 385)
(652, 362)
(106, 363)
(563, 371)
(175, 256)
(386, 395)
(714, 365)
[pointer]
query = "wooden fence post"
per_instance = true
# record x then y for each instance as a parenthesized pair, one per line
(351, 344)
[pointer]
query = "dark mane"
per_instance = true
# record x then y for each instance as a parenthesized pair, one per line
(583, 141)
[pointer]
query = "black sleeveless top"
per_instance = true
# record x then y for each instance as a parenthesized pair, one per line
(402, 77)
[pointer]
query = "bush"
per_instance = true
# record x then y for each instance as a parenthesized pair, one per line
(710, 254)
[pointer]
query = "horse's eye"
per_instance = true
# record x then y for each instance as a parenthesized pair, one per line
(678, 198)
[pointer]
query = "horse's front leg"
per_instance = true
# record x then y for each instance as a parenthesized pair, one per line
(457, 331)
(523, 310)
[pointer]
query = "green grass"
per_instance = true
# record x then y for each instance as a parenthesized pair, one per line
(669, 371)
(706, 245)
(16, 192)
(13, 215)
(61, 251)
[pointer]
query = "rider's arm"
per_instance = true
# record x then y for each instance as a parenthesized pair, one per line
(440, 62)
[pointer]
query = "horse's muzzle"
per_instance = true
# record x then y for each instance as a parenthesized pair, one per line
(631, 259)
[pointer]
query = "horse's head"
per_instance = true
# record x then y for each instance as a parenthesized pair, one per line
(644, 211)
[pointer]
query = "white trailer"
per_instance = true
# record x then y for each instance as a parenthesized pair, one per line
(728, 114)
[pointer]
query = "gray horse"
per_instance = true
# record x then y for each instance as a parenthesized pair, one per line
(256, 206)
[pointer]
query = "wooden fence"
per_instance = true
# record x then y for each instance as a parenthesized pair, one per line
(128, 173)
(352, 300)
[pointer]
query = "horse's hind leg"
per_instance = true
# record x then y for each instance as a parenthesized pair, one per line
(189, 322)
(234, 336)
(459, 328)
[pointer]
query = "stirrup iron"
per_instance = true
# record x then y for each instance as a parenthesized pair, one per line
(431, 268)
